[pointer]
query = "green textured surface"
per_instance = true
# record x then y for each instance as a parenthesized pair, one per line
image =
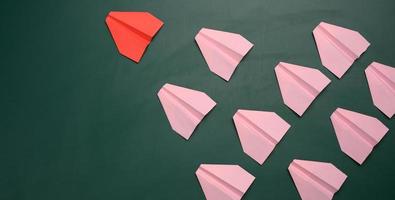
(79, 121)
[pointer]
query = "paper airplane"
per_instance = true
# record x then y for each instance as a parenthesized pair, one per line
(381, 79)
(357, 133)
(299, 85)
(316, 180)
(222, 51)
(184, 107)
(259, 132)
(132, 32)
(224, 182)
(338, 47)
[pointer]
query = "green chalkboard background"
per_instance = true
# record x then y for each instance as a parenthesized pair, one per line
(80, 121)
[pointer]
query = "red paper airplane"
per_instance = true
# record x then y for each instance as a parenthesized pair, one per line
(132, 32)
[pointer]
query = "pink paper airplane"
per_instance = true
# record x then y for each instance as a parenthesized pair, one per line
(357, 133)
(381, 79)
(259, 132)
(222, 51)
(338, 47)
(224, 182)
(316, 180)
(184, 107)
(299, 85)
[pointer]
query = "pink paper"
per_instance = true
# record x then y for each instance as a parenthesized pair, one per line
(223, 182)
(299, 85)
(381, 79)
(357, 133)
(316, 180)
(184, 107)
(222, 51)
(338, 47)
(259, 132)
